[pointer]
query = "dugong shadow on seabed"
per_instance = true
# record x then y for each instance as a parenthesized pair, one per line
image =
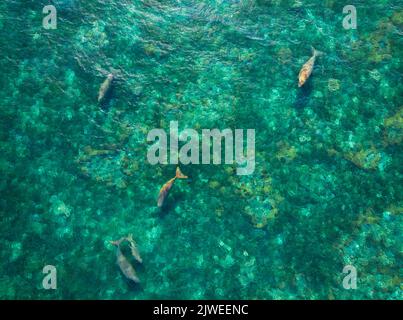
(136, 287)
(170, 205)
(105, 103)
(303, 95)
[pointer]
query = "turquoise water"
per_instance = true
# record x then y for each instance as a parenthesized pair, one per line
(326, 191)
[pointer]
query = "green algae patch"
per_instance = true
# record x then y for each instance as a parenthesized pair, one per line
(367, 159)
(394, 128)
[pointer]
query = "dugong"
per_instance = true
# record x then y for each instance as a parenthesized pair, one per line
(105, 87)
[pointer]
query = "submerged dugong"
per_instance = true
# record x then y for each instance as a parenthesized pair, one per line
(105, 87)
(307, 68)
(167, 186)
(124, 264)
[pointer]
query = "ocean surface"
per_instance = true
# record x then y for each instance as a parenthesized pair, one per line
(326, 191)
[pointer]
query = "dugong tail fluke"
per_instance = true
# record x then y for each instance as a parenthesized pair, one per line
(105, 87)
(316, 53)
